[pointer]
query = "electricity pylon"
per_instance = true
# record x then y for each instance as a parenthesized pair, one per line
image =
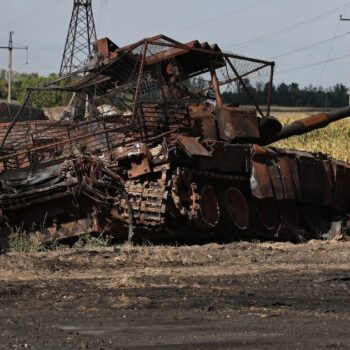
(80, 37)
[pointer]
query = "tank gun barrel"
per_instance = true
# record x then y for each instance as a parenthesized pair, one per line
(308, 124)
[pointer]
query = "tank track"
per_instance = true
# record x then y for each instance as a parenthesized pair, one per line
(148, 200)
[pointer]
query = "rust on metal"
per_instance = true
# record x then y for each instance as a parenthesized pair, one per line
(148, 146)
(192, 147)
(237, 209)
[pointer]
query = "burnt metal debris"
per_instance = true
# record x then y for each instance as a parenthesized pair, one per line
(149, 149)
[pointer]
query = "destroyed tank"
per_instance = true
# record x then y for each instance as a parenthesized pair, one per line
(152, 151)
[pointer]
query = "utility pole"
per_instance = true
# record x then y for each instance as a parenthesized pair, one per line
(81, 35)
(346, 19)
(10, 49)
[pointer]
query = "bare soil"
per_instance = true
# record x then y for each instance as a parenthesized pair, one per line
(235, 296)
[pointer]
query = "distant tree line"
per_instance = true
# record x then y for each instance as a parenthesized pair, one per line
(291, 95)
(20, 83)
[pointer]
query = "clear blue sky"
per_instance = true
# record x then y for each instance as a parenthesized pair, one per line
(258, 28)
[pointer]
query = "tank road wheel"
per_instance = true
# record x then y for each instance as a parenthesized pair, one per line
(264, 214)
(4, 234)
(290, 222)
(181, 194)
(209, 206)
(289, 213)
(235, 210)
(315, 219)
(205, 211)
(4, 242)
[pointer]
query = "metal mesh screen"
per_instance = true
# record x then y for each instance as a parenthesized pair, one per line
(136, 93)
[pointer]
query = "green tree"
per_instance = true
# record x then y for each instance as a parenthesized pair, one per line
(23, 81)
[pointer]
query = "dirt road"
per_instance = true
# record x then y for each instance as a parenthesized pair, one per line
(238, 296)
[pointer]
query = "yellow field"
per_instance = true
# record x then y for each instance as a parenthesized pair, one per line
(333, 140)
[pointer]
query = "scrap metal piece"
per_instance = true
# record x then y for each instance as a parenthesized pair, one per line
(68, 230)
(192, 147)
(139, 168)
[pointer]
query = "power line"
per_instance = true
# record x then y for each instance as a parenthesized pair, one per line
(310, 46)
(328, 55)
(53, 49)
(284, 30)
(314, 64)
(20, 67)
(340, 20)
(41, 5)
(48, 23)
(106, 6)
(213, 19)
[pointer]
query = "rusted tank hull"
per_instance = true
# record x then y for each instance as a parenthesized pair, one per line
(150, 149)
(255, 196)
